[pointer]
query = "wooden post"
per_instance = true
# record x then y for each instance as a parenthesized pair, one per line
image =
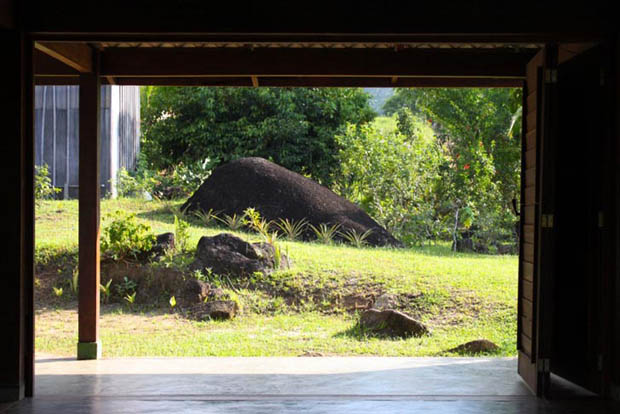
(17, 262)
(89, 346)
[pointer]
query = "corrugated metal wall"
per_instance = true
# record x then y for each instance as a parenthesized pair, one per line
(57, 128)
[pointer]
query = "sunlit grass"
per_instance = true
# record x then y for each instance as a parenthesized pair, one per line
(465, 297)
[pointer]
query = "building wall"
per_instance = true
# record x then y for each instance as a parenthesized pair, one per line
(57, 137)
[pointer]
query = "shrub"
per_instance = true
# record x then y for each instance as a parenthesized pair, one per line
(255, 222)
(43, 188)
(181, 233)
(393, 175)
(125, 238)
(126, 287)
(127, 185)
(294, 127)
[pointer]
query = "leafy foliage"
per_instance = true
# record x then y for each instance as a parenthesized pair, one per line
(43, 188)
(123, 237)
(253, 219)
(181, 234)
(293, 127)
(480, 130)
(391, 168)
(106, 290)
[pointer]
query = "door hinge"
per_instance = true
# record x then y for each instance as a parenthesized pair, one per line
(544, 365)
(546, 221)
(551, 76)
(601, 219)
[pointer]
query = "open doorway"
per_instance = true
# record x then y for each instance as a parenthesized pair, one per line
(435, 169)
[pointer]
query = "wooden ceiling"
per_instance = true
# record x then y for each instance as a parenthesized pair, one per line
(289, 64)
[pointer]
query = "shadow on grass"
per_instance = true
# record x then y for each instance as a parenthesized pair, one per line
(359, 333)
(164, 215)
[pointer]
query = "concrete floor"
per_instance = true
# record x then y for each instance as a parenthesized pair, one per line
(308, 385)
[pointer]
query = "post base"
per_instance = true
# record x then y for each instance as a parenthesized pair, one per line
(89, 350)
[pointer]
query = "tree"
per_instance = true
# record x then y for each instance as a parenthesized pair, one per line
(481, 130)
(391, 169)
(293, 127)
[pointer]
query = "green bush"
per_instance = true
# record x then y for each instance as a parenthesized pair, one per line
(123, 237)
(391, 168)
(293, 127)
(181, 234)
(43, 188)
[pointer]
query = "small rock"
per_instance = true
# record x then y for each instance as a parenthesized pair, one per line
(392, 323)
(195, 291)
(506, 249)
(218, 294)
(386, 301)
(312, 354)
(217, 309)
(475, 347)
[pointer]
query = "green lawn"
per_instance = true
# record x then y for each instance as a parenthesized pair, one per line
(459, 296)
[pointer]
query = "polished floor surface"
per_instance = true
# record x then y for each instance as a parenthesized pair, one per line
(307, 385)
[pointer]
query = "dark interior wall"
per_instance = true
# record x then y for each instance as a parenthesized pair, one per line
(616, 288)
(17, 209)
(320, 16)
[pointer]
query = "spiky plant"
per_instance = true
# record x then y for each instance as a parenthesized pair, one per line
(234, 222)
(325, 233)
(293, 230)
(355, 238)
(206, 217)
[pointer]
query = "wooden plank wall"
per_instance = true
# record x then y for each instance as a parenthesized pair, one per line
(529, 212)
(129, 127)
(57, 137)
(615, 127)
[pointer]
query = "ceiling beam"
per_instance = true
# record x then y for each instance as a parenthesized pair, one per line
(290, 62)
(45, 65)
(327, 82)
(78, 56)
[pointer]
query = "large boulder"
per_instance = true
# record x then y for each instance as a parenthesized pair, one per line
(278, 193)
(226, 254)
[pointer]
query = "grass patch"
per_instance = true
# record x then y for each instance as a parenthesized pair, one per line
(307, 308)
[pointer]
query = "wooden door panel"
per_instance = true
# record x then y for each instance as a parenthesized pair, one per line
(532, 240)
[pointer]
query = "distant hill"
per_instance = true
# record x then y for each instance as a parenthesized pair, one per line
(378, 97)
